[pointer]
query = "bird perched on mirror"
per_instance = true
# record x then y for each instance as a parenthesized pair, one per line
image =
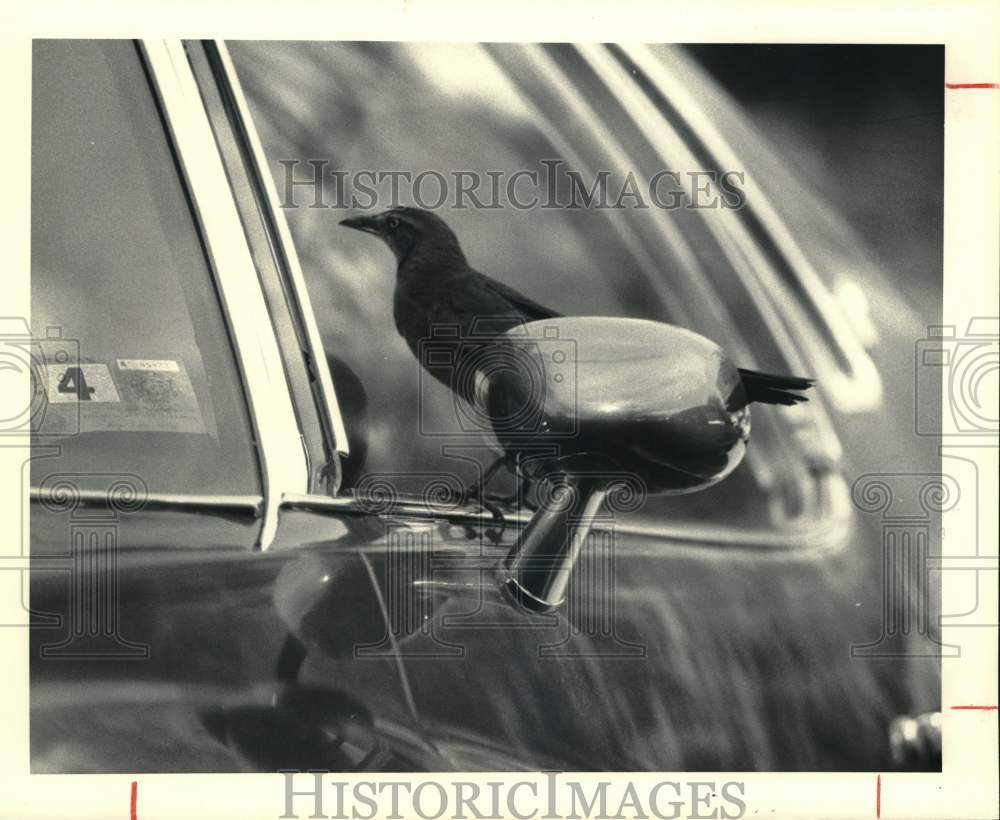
(436, 287)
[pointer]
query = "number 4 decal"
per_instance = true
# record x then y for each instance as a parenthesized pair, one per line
(81, 382)
(74, 381)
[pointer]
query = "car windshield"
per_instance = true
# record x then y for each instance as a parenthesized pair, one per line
(136, 370)
(362, 116)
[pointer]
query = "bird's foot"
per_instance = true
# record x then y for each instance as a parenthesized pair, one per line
(495, 503)
(474, 492)
(490, 503)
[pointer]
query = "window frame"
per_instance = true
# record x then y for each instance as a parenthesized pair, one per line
(281, 278)
(281, 455)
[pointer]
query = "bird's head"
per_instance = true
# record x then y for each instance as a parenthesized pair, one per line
(409, 232)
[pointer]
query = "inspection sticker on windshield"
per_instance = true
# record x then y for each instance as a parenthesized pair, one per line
(153, 395)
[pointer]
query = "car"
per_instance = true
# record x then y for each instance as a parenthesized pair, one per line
(248, 542)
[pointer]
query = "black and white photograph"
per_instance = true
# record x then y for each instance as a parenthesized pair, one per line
(406, 412)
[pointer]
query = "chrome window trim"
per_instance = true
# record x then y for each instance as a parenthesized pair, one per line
(270, 259)
(331, 407)
(283, 462)
(821, 530)
(249, 504)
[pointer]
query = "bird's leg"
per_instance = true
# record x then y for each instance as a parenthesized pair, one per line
(493, 501)
(477, 490)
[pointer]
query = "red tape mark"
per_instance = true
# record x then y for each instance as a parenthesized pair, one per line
(976, 708)
(134, 800)
(971, 85)
(878, 796)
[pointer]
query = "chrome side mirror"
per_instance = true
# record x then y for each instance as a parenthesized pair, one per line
(580, 402)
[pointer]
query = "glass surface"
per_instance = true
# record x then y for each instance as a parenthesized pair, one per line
(137, 371)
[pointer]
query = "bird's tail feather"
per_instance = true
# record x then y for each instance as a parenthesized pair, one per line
(768, 388)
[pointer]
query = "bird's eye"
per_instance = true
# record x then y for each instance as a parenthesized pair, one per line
(392, 222)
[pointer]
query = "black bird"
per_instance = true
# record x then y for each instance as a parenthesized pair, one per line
(436, 287)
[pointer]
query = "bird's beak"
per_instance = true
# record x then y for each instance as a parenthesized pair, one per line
(368, 224)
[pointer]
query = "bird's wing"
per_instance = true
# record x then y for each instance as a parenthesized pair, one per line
(530, 309)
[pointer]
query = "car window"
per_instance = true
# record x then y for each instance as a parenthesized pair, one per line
(137, 369)
(357, 109)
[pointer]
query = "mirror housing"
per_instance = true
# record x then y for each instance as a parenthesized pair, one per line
(580, 403)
